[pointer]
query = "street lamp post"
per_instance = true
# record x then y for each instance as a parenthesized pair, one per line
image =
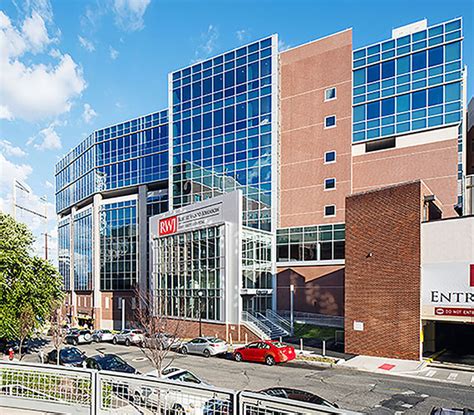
(200, 294)
(292, 295)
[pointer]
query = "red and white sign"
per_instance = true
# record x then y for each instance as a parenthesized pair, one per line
(168, 226)
(454, 311)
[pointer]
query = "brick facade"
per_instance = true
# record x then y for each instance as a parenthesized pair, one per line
(382, 276)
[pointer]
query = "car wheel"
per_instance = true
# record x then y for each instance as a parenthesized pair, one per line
(184, 350)
(137, 398)
(270, 360)
(238, 357)
(114, 340)
(206, 353)
(178, 410)
(127, 342)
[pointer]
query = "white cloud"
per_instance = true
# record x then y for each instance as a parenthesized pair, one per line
(48, 184)
(54, 86)
(282, 46)
(129, 14)
(10, 171)
(114, 53)
(242, 35)
(10, 150)
(86, 44)
(48, 138)
(88, 113)
(208, 41)
(34, 31)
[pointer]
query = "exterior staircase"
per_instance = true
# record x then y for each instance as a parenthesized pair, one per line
(266, 326)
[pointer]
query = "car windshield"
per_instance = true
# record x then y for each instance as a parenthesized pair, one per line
(111, 362)
(69, 354)
(186, 377)
(279, 345)
(214, 340)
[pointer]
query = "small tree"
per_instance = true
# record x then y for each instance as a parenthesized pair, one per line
(160, 333)
(58, 334)
(26, 324)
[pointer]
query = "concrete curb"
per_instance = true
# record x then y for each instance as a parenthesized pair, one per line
(451, 366)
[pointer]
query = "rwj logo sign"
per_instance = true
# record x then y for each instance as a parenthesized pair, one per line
(168, 226)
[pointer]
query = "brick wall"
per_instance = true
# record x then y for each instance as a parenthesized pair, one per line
(382, 277)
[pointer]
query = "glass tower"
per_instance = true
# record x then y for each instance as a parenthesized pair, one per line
(223, 113)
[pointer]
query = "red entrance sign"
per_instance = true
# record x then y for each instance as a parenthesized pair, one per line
(451, 311)
(168, 226)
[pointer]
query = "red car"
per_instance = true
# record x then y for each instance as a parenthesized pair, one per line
(265, 351)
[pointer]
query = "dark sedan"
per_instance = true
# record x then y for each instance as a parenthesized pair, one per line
(298, 395)
(68, 356)
(109, 362)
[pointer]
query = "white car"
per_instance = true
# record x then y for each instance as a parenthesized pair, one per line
(170, 400)
(129, 337)
(102, 336)
(205, 346)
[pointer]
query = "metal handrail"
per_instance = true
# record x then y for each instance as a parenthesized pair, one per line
(247, 316)
(283, 322)
(314, 318)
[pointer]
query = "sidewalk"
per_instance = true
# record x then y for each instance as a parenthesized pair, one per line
(383, 365)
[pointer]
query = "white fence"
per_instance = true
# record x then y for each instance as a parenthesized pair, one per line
(64, 390)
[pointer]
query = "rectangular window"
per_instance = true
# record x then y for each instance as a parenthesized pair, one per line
(329, 210)
(373, 73)
(329, 184)
(329, 157)
(330, 94)
(330, 121)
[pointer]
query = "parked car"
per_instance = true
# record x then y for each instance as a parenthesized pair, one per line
(298, 395)
(6, 344)
(205, 346)
(173, 400)
(128, 337)
(109, 362)
(68, 356)
(102, 336)
(79, 337)
(267, 351)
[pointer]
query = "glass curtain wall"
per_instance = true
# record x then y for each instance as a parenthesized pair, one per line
(118, 246)
(83, 235)
(64, 255)
(222, 117)
(311, 243)
(189, 274)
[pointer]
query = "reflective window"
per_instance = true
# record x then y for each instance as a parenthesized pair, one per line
(330, 94)
(330, 121)
(330, 210)
(330, 157)
(329, 184)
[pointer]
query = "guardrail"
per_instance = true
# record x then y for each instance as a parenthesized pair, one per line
(313, 318)
(61, 389)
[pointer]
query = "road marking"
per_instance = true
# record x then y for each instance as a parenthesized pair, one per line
(452, 376)
(424, 395)
(472, 379)
(407, 405)
(431, 373)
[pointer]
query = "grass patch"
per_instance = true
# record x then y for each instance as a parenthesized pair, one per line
(308, 331)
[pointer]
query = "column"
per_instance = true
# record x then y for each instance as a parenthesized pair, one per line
(73, 297)
(97, 297)
(142, 240)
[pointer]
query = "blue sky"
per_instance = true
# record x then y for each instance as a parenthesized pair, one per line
(70, 67)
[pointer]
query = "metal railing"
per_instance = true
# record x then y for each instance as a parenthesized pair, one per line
(250, 318)
(313, 318)
(281, 321)
(59, 389)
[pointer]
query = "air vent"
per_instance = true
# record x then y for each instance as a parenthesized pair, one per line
(380, 144)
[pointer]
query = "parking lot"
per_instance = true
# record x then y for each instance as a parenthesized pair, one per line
(350, 389)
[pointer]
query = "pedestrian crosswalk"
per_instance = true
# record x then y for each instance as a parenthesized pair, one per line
(448, 375)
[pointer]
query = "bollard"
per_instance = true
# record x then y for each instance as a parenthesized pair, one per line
(281, 339)
(324, 347)
(230, 339)
(246, 338)
(301, 344)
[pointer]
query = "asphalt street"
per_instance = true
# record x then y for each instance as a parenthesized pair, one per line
(351, 389)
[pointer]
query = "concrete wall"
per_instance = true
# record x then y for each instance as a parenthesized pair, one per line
(382, 278)
(306, 72)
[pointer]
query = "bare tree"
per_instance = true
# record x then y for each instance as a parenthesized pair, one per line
(26, 324)
(58, 333)
(160, 333)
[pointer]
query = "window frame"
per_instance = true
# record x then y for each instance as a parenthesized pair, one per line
(326, 99)
(326, 127)
(335, 157)
(326, 189)
(328, 206)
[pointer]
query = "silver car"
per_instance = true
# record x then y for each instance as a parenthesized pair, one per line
(205, 346)
(129, 337)
(102, 336)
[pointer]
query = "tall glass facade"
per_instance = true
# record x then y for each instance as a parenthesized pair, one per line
(189, 274)
(118, 246)
(223, 115)
(64, 255)
(130, 153)
(83, 235)
(409, 83)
